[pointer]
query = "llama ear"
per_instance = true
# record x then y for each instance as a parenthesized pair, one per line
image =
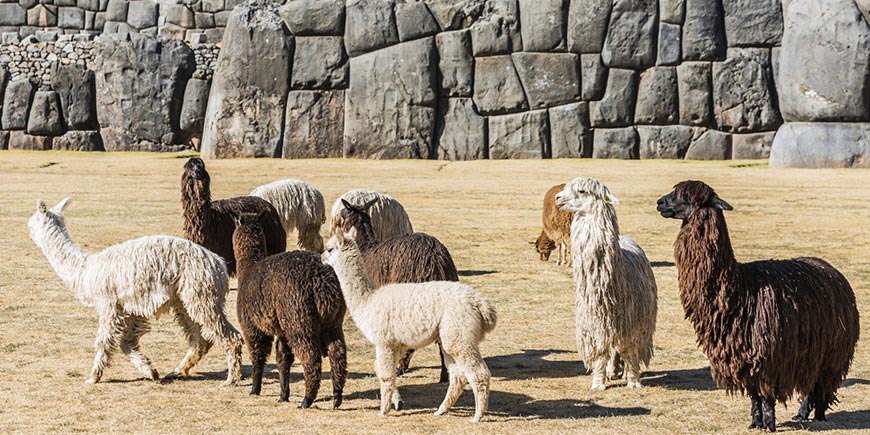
(369, 204)
(41, 207)
(61, 205)
(610, 199)
(346, 204)
(262, 214)
(236, 218)
(720, 204)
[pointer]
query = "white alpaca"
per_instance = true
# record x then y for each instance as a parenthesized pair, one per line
(301, 208)
(615, 287)
(388, 215)
(398, 317)
(131, 281)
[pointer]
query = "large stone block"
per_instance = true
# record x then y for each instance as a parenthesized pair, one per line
(193, 107)
(42, 16)
(695, 89)
(824, 66)
(549, 79)
(615, 143)
(542, 24)
(180, 15)
(4, 77)
(752, 146)
(12, 14)
(117, 10)
(19, 140)
(78, 141)
(821, 145)
(672, 11)
(460, 132)
(413, 21)
(570, 135)
(753, 22)
(314, 17)
(45, 115)
(709, 144)
(657, 97)
(743, 99)
(71, 18)
(390, 106)
(314, 124)
(664, 142)
(319, 62)
(498, 29)
(4, 140)
(143, 14)
(631, 36)
(455, 63)
(78, 95)
(670, 46)
(246, 102)
(587, 25)
(497, 88)
(519, 136)
(616, 109)
(16, 104)
(703, 30)
(593, 77)
(456, 14)
(369, 25)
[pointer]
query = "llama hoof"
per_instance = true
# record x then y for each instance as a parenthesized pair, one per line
(336, 402)
(382, 414)
(475, 420)
(756, 425)
(398, 405)
(305, 403)
(440, 411)
(254, 393)
(799, 417)
(598, 387)
(283, 399)
(820, 418)
(169, 378)
(229, 383)
(154, 375)
(90, 381)
(631, 384)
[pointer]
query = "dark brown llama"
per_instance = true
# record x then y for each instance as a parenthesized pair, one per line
(296, 299)
(410, 258)
(210, 223)
(769, 328)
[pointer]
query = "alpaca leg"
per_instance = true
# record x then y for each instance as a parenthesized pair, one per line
(108, 335)
(768, 414)
(259, 345)
(632, 372)
(756, 412)
(337, 352)
(803, 413)
(310, 357)
(214, 326)
(821, 402)
(454, 388)
(385, 368)
(193, 334)
(478, 376)
(404, 363)
(615, 366)
(136, 326)
(444, 375)
(284, 357)
(598, 368)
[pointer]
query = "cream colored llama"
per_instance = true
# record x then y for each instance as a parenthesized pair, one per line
(387, 213)
(614, 285)
(398, 317)
(300, 206)
(131, 281)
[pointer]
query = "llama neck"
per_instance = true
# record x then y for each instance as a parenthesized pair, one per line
(365, 236)
(595, 238)
(247, 253)
(355, 283)
(66, 258)
(195, 198)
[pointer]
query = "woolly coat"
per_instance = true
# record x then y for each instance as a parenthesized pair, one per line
(557, 225)
(300, 206)
(388, 216)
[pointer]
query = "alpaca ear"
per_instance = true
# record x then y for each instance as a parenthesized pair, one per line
(61, 205)
(369, 204)
(720, 204)
(610, 199)
(41, 207)
(346, 204)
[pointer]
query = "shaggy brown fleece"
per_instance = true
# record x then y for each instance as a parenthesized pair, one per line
(210, 223)
(769, 328)
(557, 228)
(295, 298)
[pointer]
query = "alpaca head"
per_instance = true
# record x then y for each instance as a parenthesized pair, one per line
(688, 196)
(544, 246)
(340, 242)
(194, 170)
(249, 238)
(45, 218)
(352, 216)
(582, 194)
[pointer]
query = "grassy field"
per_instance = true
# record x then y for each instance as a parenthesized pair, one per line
(487, 213)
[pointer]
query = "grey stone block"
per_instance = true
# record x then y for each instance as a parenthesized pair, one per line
(594, 77)
(27, 4)
(314, 124)
(672, 11)
(695, 88)
(204, 20)
(460, 132)
(542, 25)
(65, 2)
(709, 144)
(456, 63)
(193, 106)
(319, 63)
(12, 14)
(753, 22)
(549, 79)
(117, 10)
(179, 15)
(631, 36)
(75, 85)
(90, 17)
(498, 29)
(570, 135)
(456, 14)
(215, 6)
(752, 146)
(221, 18)
(42, 16)
(742, 97)
(70, 18)
(821, 145)
(45, 115)
(703, 30)
(497, 89)
(78, 141)
(314, 17)
(90, 5)
(143, 14)
(616, 109)
(4, 140)
(19, 140)
(615, 143)
(46, 36)
(587, 25)
(670, 45)
(664, 142)
(657, 97)
(16, 103)
(413, 21)
(519, 136)
(369, 25)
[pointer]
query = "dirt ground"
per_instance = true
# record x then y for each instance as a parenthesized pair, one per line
(487, 213)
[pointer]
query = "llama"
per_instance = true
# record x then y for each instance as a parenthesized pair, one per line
(398, 317)
(614, 285)
(210, 223)
(410, 258)
(769, 328)
(387, 214)
(295, 298)
(300, 206)
(557, 229)
(132, 281)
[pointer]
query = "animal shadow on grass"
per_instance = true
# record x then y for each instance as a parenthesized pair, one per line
(530, 363)
(476, 272)
(687, 379)
(425, 399)
(661, 263)
(842, 420)
(573, 408)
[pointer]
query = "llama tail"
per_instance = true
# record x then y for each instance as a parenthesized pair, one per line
(487, 314)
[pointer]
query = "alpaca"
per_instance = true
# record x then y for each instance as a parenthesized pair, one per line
(210, 223)
(295, 298)
(411, 258)
(615, 287)
(769, 328)
(131, 281)
(557, 229)
(301, 208)
(398, 317)
(387, 214)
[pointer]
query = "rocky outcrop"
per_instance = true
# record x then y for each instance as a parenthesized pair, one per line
(313, 125)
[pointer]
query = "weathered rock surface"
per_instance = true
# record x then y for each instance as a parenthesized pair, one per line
(16, 104)
(672, 11)
(694, 88)
(4, 140)
(498, 30)
(543, 25)
(413, 21)
(594, 77)
(549, 79)
(587, 25)
(456, 14)
(193, 106)
(390, 106)
(314, 17)
(78, 140)
(19, 140)
(519, 136)
(631, 36)
(615, 143)
(497, 89)
(77, 88)
(616, 109)
(460, 132)
(247, 98)
(314, 124)
(570, 135)
(709, 144)
(821, 145)
(369, 25)
(456, 63)
(670, 45)
(12, 15)
(751, 146)
(755, 23)
(657, 97)
(664, 142)
(45, 117)
(142, 14)
(319, 62)
(703, 30)
(743, 99)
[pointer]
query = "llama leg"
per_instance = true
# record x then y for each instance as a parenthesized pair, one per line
(803, 413)
(478, 376)
(444, 375)
(598, 368)
(454, 388)
(385, 368)
(821, 402)
(259, 345)
(108, 335)
(768, 414)
(756, 411)
(284, 357)
(632, 372)
(615, 366)
(309, 355)
(136, 326)
(404, 363)
(337, 352)
(193, 334)
(214, 326)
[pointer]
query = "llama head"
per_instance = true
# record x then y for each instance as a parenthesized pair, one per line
(544, 246)
(688, 196)
(45, 218)
(582, 193)
(340, 241)
(352, 216)
(249, 235)
(194, 169)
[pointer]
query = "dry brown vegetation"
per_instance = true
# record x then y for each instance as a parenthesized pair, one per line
(486, 212)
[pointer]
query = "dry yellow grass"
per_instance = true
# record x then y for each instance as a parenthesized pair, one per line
(486, 212)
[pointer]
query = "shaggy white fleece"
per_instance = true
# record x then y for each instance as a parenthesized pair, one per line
(301, 208)
(616, 294)
(398, 317)
(388, 215)
(131, 281)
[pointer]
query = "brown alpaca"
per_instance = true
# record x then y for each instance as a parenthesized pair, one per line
(557, 229)
(769, 328)
(210, 223)
(412, 258)
(295, 298)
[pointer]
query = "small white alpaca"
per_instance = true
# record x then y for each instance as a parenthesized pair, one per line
(398, 317)
(301, 208)
(131, 281)
(388, 216)
(615, 287)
